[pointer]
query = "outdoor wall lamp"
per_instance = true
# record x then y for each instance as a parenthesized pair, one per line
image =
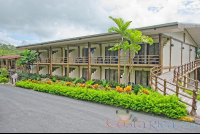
(190, 49)
(172, 45)
(182, 47)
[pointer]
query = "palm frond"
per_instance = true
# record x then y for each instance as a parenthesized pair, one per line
(114, 29)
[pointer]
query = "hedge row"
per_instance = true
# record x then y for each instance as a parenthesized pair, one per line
(152, 103)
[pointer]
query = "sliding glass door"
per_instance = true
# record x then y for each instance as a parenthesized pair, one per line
(85, 73)
(111, 75)
(142, 77)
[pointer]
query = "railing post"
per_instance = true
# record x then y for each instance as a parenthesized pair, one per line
(164, 87)
(155, 83)
(150, 78)
(177, 75)
(194, 107)
(184, 68)
(177, 89)
(184, 83)
(174, 75)
(12, 80)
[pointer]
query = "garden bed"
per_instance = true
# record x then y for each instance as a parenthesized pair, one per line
(151, 103)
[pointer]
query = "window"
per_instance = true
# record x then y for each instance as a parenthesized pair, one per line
(85, 52)
(153, 49)
(111, 75)
(110, 53)
(142, 50)
(142, 77)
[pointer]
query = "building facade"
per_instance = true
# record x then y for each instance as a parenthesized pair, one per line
(88, 56)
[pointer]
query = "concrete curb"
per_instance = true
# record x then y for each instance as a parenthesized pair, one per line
(6, 84)
(190, 119)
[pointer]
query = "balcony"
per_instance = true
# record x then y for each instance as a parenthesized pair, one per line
(139, 59)
(104, 60)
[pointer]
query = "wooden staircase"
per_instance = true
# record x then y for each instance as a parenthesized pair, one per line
(176, 82)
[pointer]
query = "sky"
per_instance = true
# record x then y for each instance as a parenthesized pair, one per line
(25, 22)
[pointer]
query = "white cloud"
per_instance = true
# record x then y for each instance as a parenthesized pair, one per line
(49, 20)
(4, 38)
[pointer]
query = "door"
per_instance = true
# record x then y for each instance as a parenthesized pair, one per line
(85, 73)
(111, 75)
(142, 77)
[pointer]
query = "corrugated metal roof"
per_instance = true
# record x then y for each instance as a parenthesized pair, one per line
(9, 56)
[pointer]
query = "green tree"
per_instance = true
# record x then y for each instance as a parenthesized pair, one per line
(28, 57)
(130, 44)
(4, 72)
(9, 50)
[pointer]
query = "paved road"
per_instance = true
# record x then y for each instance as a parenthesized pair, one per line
(23, 111)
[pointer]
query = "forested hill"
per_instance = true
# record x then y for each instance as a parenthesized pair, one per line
(9, 50)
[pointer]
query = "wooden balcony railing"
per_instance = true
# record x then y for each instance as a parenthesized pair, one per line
(180, 81)
(139, 59)
(78, 60)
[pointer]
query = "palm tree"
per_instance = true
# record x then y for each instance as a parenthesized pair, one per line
(133, 36)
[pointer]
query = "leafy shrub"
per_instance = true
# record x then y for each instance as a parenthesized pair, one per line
(23, 75)
(68, 83)
(152, 103)
(34, 77)
(121, 85)
(43, 76)
(4, 72)
(104, 83)
(90, 82)
(107, 88)
(96, 86)
(99, 82)
(136, 88)
(68, 79)
(112, 84)
(4, 80)
(80, 80)
(51, 76)
(38, 79)
(54, 79)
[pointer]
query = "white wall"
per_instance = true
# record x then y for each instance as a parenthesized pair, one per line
(176, 54)
(166, 54)
(57, 54)
(74, 74)
(44, 71)
(179, 35)
(74, 53)
(44, 54)
(185, 54)
(192, 54)
(96, 74)
(57, 71)
(34, 70)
